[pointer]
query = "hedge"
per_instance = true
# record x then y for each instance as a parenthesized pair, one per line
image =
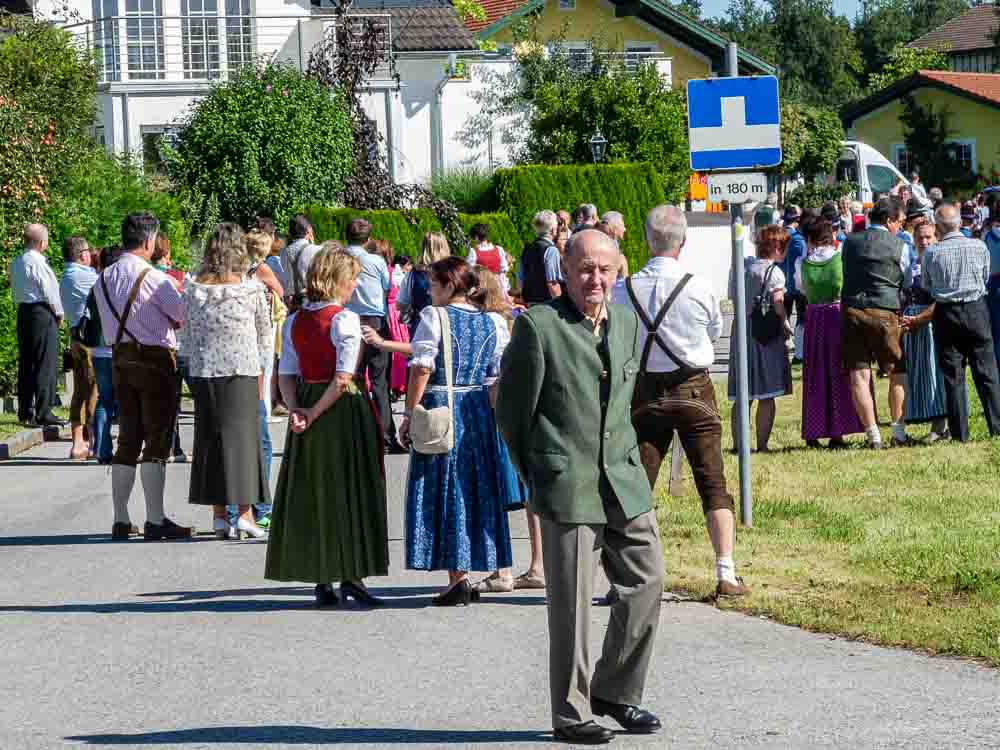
(403, 235)
(631, 189)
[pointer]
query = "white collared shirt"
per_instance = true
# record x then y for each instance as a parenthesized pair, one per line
(33, 280)
(692, 323)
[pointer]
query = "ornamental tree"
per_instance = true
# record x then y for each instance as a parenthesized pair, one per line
(266, 142)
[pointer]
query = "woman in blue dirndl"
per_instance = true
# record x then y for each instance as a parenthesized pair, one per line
(455, 501)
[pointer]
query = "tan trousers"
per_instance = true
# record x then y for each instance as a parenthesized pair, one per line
(84, 403)
(632, 559)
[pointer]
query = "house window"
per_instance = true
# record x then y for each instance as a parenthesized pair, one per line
(972, 62)
(154, 137)
(144, 34)
(200, 36)
(106, 40)
(636, 54)
(567, 4)
(579, 56)
(901, 158)
(964, 153)
(239, 33)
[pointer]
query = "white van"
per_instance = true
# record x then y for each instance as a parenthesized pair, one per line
(869, 170)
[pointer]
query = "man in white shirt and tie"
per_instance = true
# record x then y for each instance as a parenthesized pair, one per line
(39, 315)
(680, 319)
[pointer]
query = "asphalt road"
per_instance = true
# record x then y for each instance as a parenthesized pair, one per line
(185, 645)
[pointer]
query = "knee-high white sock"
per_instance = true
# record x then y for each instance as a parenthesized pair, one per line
(725, 569)
(873, 435)
(800, 342)
(154, 477)
(122, 480)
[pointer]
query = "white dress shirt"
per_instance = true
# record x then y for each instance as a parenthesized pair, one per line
(33, 280)
(345, 335)
(693, 322)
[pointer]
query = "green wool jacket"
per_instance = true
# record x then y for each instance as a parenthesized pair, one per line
(562, 439)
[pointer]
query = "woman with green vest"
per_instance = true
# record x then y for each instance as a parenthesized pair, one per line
(827, 408)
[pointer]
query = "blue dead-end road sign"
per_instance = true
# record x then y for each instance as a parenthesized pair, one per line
(734, 123)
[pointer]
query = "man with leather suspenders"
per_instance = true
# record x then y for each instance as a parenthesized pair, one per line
(680, 319)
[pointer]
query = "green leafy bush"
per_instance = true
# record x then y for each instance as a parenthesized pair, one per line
(264, 142)
(554, 102)
(814, 195)
(469, 189)
(405, 236)
(632, 189)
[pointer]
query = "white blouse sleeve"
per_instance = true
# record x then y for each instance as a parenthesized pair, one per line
(289, 364)
(345, 335)
(426, 339)
(503, 338)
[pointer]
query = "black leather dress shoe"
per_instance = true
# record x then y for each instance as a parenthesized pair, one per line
(325, 595)
(359, 594)
(588, 733)
(632, 718)
(51, 421)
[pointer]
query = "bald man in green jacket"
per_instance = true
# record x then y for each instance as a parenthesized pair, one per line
(564, 409)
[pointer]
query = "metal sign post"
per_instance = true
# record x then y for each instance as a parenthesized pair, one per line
(734, 124)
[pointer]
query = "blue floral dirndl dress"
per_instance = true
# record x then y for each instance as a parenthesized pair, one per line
(455, 501)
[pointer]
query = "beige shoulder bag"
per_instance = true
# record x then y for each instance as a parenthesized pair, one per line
(432, 431)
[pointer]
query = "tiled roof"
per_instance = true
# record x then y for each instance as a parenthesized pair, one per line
(430, 29)
(983, 87)
(419, 27)
(495, 10)
(973, 29)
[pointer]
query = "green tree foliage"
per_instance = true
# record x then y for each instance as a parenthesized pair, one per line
(264, 142)
(47, 104)
(817, 52)
(690, 8)
(883, 25)
(905, 61)
(468, 189)
(632, 189)
(555, 102)
(928, 134)
(810, 139)
(814, 194)
(748, 23)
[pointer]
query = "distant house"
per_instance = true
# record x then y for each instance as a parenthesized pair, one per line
(971, 99)
(968, 40)
(157, 57)
(636, 27)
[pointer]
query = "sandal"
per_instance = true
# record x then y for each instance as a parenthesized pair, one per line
(495, 584)
(528, 581)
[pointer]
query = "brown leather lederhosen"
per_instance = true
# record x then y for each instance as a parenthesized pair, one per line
(682, 400)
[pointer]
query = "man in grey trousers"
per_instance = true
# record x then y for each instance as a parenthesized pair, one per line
(564, 409)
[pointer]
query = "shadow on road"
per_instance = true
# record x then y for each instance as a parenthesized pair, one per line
(302, 735)
(235, 601)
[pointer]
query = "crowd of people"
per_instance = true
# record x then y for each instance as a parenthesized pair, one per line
(558, 391)
(911, 285)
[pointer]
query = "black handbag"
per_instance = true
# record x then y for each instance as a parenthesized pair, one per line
(88, 331)
(765, 325)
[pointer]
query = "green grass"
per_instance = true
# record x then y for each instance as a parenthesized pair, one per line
(897, 547)
(9, 425)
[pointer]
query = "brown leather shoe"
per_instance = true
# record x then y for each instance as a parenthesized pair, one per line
(167, 530)
(120, 532)
(727, 590)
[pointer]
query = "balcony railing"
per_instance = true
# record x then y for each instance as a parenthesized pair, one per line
(207, 47)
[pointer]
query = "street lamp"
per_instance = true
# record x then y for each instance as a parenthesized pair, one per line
(598, 146)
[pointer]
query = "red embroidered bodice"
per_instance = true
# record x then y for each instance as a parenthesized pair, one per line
(311, 339)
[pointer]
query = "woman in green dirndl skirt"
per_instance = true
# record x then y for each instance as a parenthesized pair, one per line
(328, 522)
